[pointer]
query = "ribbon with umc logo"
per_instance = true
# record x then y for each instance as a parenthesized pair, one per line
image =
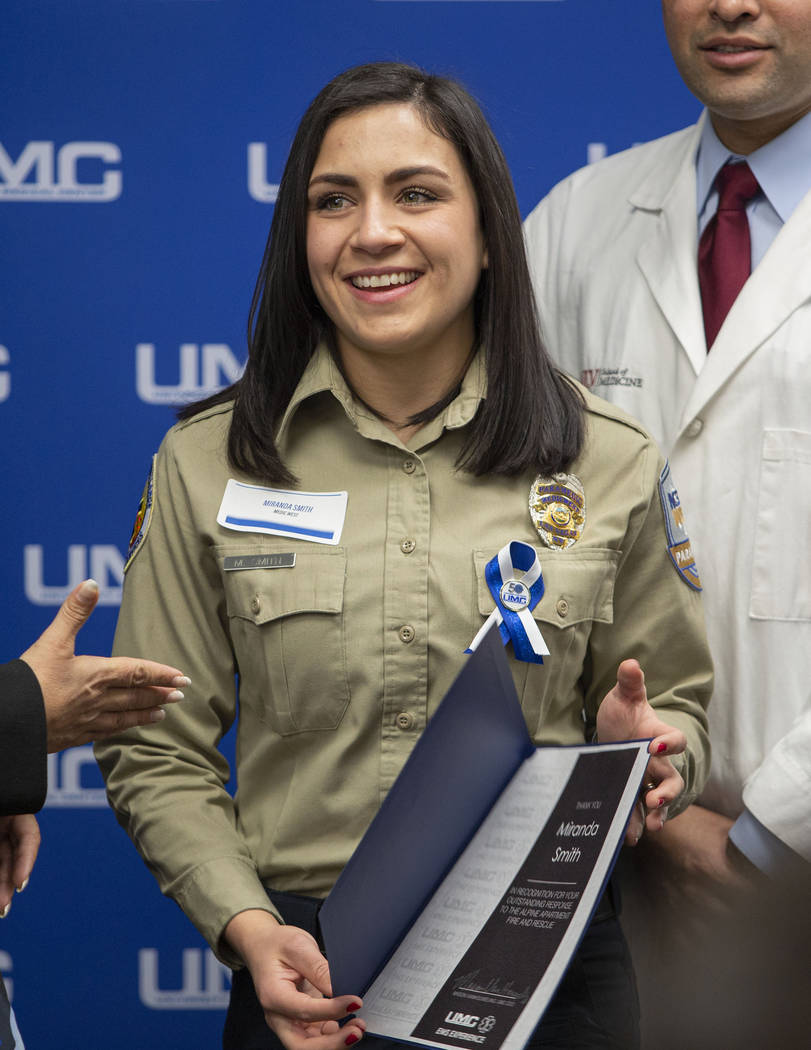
(516, 584)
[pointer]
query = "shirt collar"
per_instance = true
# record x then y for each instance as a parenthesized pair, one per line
(782, 167)
(323, 375)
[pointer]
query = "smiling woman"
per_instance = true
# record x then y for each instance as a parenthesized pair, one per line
(322, 529)
(395, 251)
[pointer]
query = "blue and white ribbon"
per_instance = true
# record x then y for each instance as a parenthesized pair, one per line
(516, 584)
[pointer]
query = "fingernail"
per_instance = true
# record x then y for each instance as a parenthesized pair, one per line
(181, 681)
(21, 888)
(89, 589)
(174, 695)
(157, 715)
(5, 910)
(350, 1039)
(661, 802)
(662, 747)
(353, 1008)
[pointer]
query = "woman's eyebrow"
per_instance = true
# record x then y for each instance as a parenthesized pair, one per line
(399, 175)
(334, 179)
(419, 169)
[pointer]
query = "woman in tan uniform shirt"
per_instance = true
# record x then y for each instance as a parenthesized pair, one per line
(395, 357)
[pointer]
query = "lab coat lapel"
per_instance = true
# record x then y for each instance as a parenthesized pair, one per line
(667, 258)
(778, 286)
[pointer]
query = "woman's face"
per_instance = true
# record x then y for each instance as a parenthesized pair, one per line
(394, 246)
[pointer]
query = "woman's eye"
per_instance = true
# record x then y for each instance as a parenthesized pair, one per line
(417, 195)
(331, 202)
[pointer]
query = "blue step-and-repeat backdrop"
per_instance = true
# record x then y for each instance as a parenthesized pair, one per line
(140, 146)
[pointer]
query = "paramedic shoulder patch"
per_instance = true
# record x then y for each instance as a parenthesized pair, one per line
(142, 518)
(678, 542)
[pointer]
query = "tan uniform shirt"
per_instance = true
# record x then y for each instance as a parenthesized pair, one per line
(342, 659)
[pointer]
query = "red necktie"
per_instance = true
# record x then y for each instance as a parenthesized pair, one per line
(724, 252)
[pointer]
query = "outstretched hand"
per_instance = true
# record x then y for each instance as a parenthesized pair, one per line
(19, 845)
(625, 714)
(88, 697)
(292, 982)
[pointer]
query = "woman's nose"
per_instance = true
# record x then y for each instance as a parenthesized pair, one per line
(378, 229)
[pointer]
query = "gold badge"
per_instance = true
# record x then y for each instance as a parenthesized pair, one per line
(557, 506)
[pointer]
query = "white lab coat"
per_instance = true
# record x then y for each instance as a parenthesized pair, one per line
(613, 251)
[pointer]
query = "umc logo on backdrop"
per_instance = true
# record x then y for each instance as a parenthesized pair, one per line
(76, 171)
(258, 186)
(202, 369)
(205, 985)
(103, 562)
(65, 787)
(5, 376)
(6, 966)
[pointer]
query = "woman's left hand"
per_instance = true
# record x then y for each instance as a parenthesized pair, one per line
(625, 714)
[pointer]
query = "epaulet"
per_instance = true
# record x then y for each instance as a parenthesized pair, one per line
(225, 407)
(599, 407)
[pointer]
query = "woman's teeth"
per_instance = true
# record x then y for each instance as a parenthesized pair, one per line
(385, 280)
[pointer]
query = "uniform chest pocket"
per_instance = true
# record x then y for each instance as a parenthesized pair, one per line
(780, 581)
(578, 586)
(287, 628)
(578, 592)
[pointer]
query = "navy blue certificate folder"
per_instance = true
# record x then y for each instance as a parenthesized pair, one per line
(460, 765)
(459, 911)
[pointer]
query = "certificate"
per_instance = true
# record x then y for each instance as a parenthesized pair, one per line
(462, 906)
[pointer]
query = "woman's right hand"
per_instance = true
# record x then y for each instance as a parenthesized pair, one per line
(292, 983)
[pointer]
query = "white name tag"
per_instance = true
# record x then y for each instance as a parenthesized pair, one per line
(314, 516)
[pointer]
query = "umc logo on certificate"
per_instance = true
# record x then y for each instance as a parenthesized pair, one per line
(77, 171)
(202, 370)
(205, 982)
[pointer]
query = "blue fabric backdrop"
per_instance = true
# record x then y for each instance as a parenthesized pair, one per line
(140, 143)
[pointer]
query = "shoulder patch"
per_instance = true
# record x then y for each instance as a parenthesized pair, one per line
(678, 542)
(142, 518)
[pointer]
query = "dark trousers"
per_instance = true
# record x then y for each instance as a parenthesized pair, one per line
(594, 1008)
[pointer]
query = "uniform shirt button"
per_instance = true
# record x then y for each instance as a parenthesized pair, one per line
(409, 466)
(405, 720)
(407, 633)
(408, 545)
(695, 428)
(562, 607)
(256, 605)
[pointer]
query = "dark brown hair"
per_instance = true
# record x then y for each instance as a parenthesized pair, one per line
(532, 416)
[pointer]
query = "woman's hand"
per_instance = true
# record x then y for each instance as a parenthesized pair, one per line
(625, 714)
(292, 983)
(19, 845)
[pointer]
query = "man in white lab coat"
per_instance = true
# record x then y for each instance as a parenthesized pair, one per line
(614, 251)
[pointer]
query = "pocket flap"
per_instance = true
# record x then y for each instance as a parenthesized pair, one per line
(314, 584)
(578, 585)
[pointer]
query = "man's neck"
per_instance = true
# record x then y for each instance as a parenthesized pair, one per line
(745, 136)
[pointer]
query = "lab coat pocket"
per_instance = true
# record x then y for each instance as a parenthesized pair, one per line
(288, 633)
(781, 585)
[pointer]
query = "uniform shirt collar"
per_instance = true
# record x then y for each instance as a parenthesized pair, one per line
(322, 375)
(782, 167)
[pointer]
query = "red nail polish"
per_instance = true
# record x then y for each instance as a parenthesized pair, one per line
(662, 747)
(350, 1039)
(661, 801)
(352, 1008)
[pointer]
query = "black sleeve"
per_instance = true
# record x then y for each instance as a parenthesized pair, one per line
(23, 755)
